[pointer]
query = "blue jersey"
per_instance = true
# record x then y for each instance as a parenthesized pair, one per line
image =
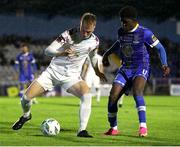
(26, 66)
(133, 46)
(132, 49)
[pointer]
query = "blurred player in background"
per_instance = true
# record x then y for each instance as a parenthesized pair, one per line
(131, 43)
(92, 80)
(69, 52)
(25, 66)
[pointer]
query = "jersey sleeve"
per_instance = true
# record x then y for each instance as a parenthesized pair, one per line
(150, 38)
(96, 44)
(57, 45)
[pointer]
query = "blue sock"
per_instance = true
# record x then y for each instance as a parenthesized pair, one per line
(112, 113)
(141, 108)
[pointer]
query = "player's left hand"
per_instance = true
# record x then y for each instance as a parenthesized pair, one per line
(166, 70)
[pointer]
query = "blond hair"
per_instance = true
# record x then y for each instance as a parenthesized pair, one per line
(88, 18)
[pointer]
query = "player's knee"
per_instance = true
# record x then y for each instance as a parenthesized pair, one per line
(79, 89)
(25, 97)
(29, 95)
(86, 90)
(113, 98)
(81, 93)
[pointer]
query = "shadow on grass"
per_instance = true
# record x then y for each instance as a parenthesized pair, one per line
(62, 130)
(150, 140)
(6, 128)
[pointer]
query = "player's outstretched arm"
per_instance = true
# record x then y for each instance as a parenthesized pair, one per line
(94, 61)
(163, 58)
(56, 49)
(100, 74)
(53, 49)
(85, 69)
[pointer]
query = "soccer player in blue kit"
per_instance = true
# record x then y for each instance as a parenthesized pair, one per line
(25, 66)
(131, 46)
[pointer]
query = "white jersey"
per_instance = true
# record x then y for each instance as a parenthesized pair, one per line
(72, 65)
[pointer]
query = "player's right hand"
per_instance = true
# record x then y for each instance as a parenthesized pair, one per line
(105, 60)
(70, 52)
(166, 70)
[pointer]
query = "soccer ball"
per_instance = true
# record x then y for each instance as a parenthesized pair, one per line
(50, 127)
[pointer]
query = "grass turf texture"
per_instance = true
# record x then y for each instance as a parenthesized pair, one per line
(163, 118)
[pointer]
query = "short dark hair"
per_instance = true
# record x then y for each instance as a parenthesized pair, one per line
(128, 12)
(23, 44)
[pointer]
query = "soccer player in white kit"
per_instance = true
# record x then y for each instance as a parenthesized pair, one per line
(69, 52)
(92, 80)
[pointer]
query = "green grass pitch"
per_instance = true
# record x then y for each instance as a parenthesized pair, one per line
(163, 119)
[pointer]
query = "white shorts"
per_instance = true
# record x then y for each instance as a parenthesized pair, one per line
(50, 78)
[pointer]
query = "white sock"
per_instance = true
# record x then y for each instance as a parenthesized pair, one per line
(85, 111)
(115, 128)
(143, 125)
(26, 105)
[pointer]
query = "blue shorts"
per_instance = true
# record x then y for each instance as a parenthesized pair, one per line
(26, 78)
(128, 75)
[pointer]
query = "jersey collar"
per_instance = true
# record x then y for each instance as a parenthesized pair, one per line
(25, 54)
(137, 25)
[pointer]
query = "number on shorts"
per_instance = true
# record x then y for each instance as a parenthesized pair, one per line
(144, 72)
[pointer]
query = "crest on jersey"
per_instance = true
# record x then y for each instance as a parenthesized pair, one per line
(127, 50)
(154, 38)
